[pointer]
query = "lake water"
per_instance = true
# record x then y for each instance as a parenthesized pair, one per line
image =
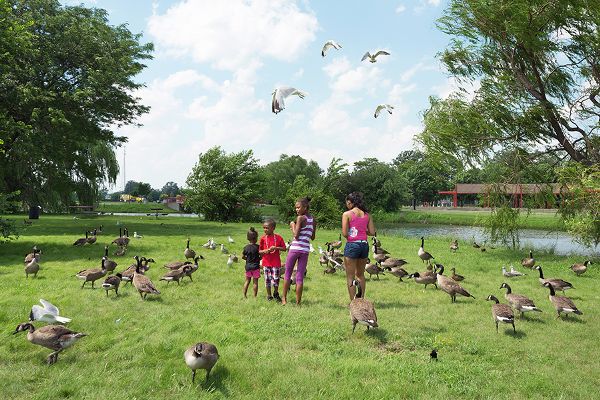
(561, 242)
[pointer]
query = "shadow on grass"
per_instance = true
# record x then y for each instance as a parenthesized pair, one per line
(215, 381)
(378, 333)
(520, 334)
(527, 320)
(394, 304)
(573, 320)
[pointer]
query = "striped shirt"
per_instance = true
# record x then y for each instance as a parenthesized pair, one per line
(302, 243)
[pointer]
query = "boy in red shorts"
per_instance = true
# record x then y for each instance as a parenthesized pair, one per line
(269, 247)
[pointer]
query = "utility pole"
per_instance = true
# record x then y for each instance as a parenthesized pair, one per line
(124, 170)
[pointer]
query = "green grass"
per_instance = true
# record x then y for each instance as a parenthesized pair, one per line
(546, 220)
(271, 351)
(119, 206)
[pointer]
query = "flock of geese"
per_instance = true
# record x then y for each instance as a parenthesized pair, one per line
(204, 355)
(283, 92)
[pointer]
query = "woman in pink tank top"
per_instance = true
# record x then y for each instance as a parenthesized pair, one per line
(356, 225)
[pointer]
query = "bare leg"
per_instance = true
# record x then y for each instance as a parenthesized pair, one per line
(350, 264)
(299, 287)
(286, 289)
(246, 284)
(360, 274)
(255, 286)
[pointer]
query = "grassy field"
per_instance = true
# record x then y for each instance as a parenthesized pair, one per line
(135, 348)
(119, 206)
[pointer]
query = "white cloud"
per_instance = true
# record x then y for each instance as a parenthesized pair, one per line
(229, 34)
(400, 9)
(434, 3)
(299, 74)
(337, 66)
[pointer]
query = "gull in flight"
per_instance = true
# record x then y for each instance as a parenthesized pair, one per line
(279, 96)
(372, 58)
(48, 313)
(382, 107)
(329, 44)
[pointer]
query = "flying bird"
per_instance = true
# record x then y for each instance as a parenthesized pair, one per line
(381, 107)
(279, 96)
(329, 44)
(372, 57)
(48, 313)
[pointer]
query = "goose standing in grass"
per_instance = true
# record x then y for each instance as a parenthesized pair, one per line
(47, 312)
(528, 262)
(423, 255)
(362, 311)
(373, 269)
(193, 267)
(36, 253)
(381, 107)
(32, 267)
(109, 264)
(120, 241)
(92, 274)
(53, 337)
(337, 244)
(393, 262)
(561, 303)
(224, 249)
(176, 275)
(450, 286)
(425, 278)
(398, 272)
(188, 253)
(112, 283)
(519, 302)
(373, 57)
(176, 264)
(142, 283)
(202, 355)
(81, 241)
(455, 276)
(328, 45)
(92, 239)
(580, 268)
(454, 246)
(502, 313)
(279, 96)
(557, 284)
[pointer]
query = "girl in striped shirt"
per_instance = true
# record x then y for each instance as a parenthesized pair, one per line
(303, 230)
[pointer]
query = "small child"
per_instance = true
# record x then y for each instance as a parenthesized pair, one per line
(252, 257)
(269, 247)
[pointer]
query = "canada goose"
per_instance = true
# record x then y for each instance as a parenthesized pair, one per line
(36, 253)
(423, 255)
(398, 272)
(362, 310)
(580, 268)
(177, 264)
(512, 273)
(380, 257)
(379, 250)
(323, 260)
(450, 286)
(120, 251)
(141, 282)
(328, 45)
(373, 57)
(561, 303)
(475, 244)
(122, 241)
(188, 253)
(502, 313)
(393, 262)
(373, 269)
(230, 239)
(424, 278)
(109, 264)
(32, 267)
(202, 355)
(81, 241)
(117, 241)
(176, 275)
(454, 246)
(53, 337)
(330, 270)
(279, 96)
(126, 238)
(528, 262)
(518, 301)
(47, 312)
(557, 284)
(112, 283)
(455, 276)
(223, 250)
(193, 268)
(92, 274)
(234, 257)
(338, 243)
(92, 239)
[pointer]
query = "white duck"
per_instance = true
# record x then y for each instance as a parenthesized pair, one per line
(279, 96)
(47, 313)
(329, 44)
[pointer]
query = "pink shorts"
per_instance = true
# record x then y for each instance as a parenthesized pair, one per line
(255, 273)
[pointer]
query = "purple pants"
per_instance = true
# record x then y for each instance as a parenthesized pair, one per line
(292, 257)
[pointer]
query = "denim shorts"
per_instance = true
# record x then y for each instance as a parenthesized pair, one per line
(356, 250)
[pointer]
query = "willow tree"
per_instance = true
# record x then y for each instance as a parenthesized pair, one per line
(535, 65)
(63, 92)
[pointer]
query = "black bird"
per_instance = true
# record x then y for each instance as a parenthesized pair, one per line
(433, 355)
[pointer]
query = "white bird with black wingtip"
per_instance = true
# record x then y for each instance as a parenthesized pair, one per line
(328, 45)
(381, 107)
(373, 57)
(279, 96)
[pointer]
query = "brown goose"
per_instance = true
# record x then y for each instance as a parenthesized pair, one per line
(35, 252)
(174, 265)
(454, 246)
(92, 274)
(177, 274)
(580, 268)
(193, 267)
(557, 284)
(329, 270)
(398, 272)
(424, 278)
(32, 267)
(450, 286)
(362, 311)
(112, 283)
(117, 241)
(455, 276)
(502, 313)
(561, 303)
(519, 302)
(53, 337)
(202, 355)
(393, 262)
(380, 257)
(423, 255)
(81, 241)
(377, 249)
(337, 244)
(188, 253)
(122, 241)
(109, 264)
(528, 262)
(92, 239)
(120, 251)
(372, 269)
(128, 273)
(142, 283)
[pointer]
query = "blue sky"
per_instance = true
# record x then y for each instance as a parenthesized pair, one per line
(216, 64)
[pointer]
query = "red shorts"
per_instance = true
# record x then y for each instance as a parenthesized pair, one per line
(255, 273)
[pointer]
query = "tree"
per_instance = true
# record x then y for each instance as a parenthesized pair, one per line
(142, 189)
(170, 189)
(539, 67)
(380, 183)
(154, 195)
(223, 187)
(280, 174)
(423, 176)
(66, 82)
